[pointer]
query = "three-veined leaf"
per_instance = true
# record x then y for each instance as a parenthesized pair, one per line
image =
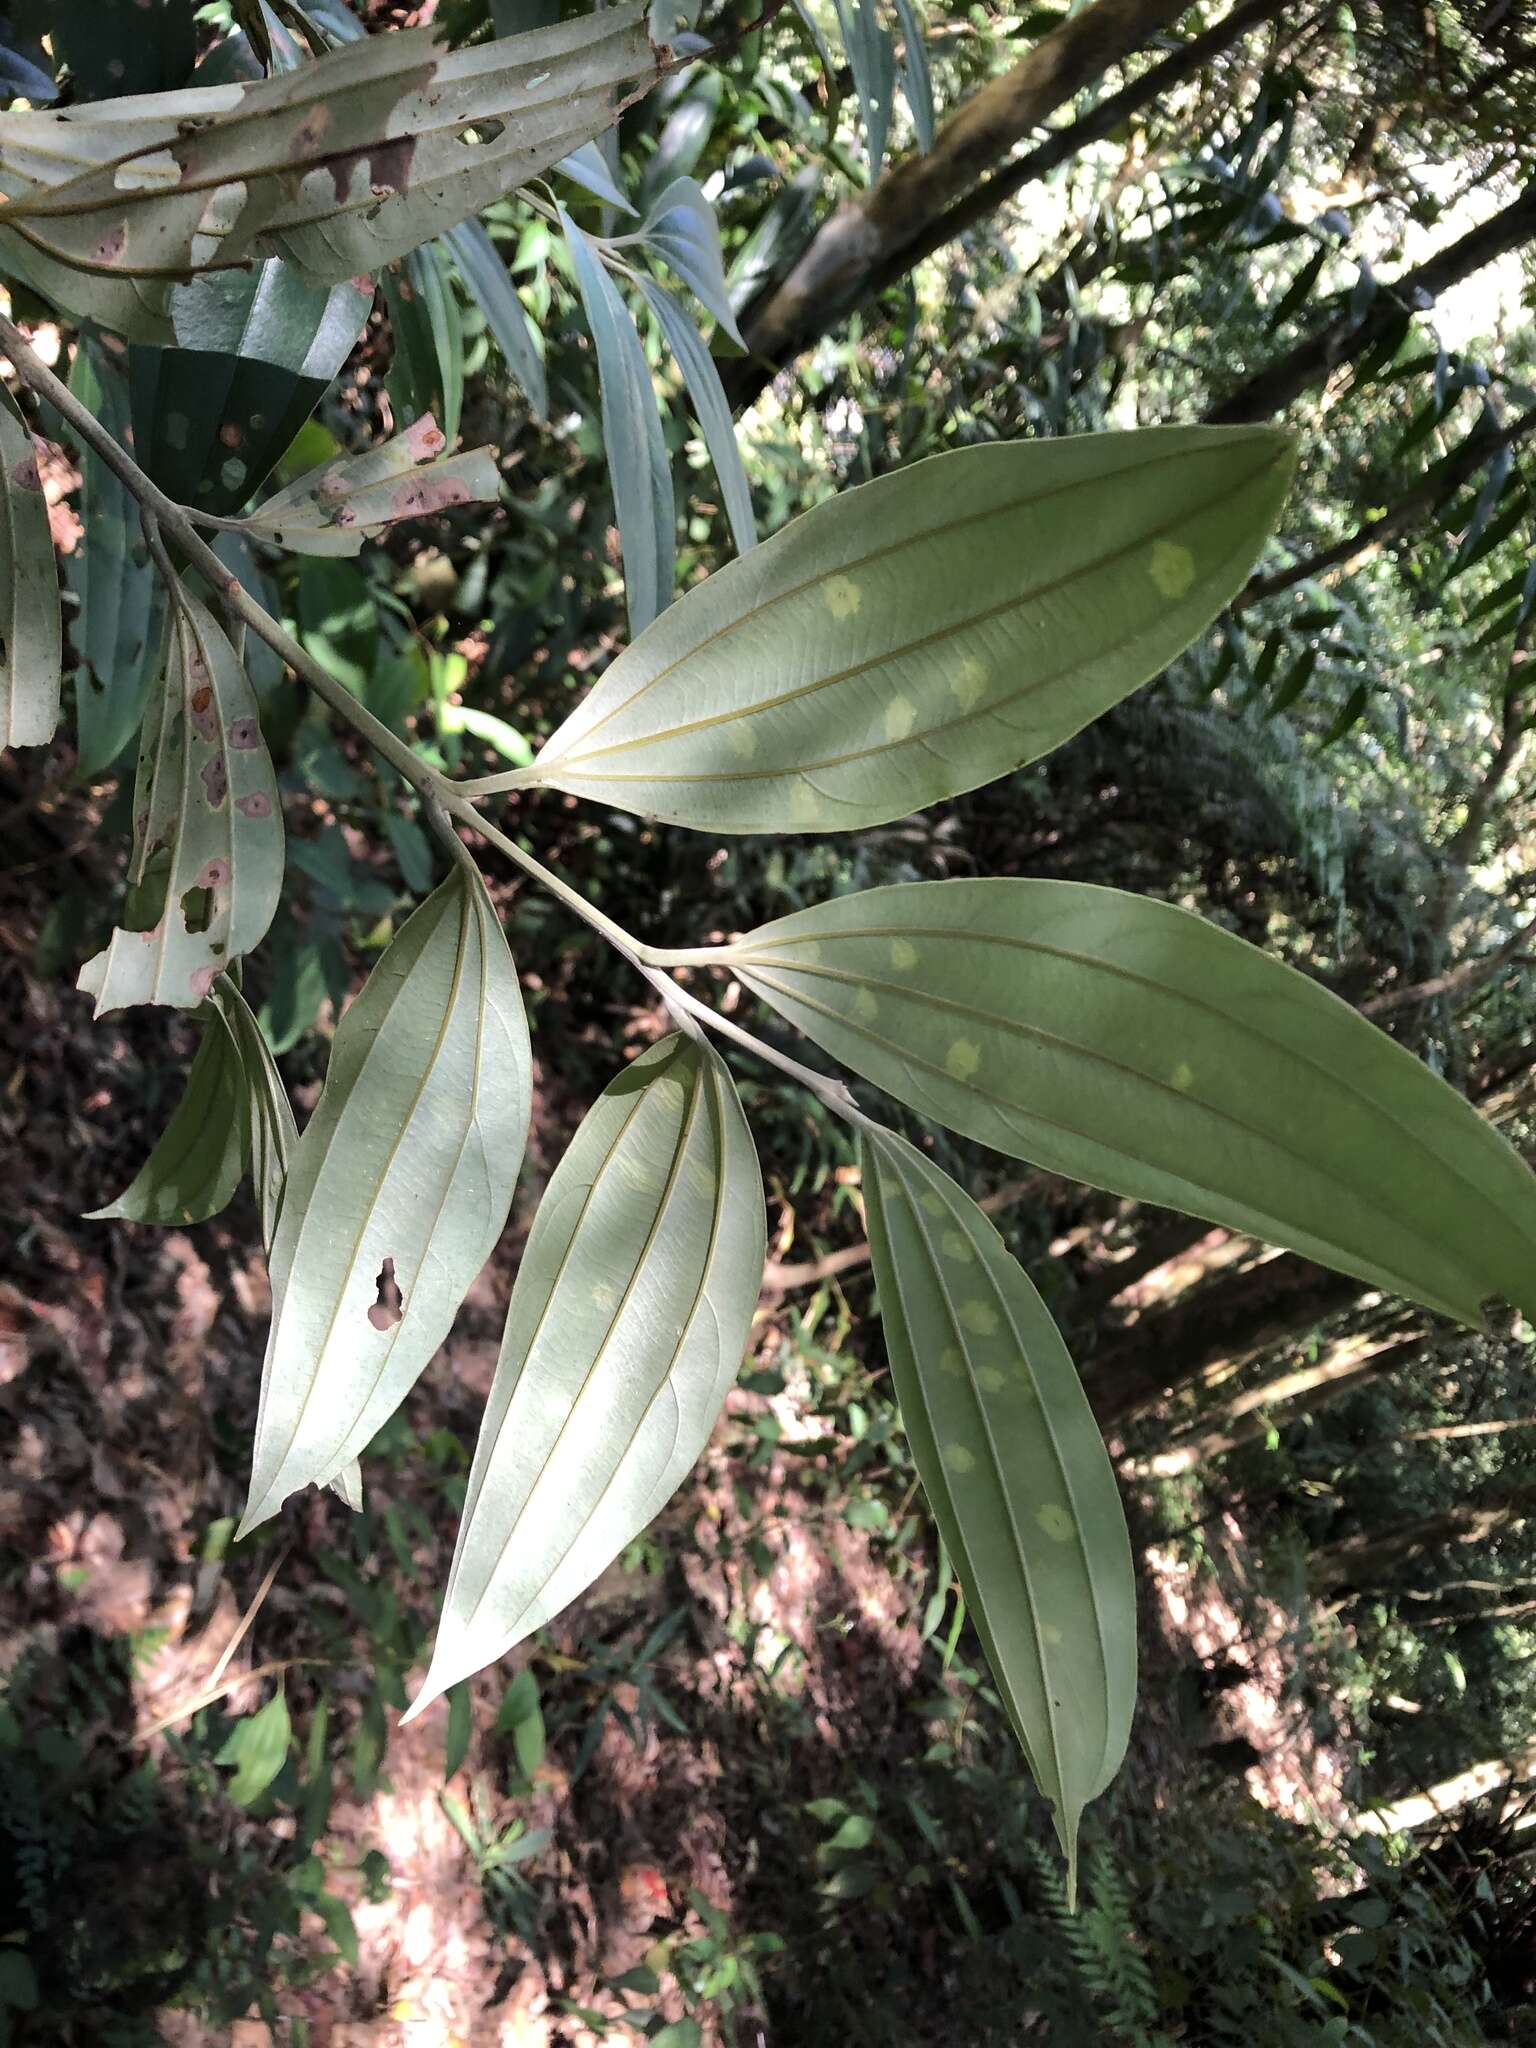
(397, 1190)
(207, 865)
(1015, 1469)
(1135, 1046)
(924, 633)
(628, 1321)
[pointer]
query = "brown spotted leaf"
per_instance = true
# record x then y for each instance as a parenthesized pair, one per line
(334, 509)
(341, 165)
(207, 862)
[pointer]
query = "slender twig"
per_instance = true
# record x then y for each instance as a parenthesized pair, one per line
(444, 802)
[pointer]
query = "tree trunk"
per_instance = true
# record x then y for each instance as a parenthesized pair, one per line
(1227, 1322)
(1341, 1369)
(1359, 1563)
(1348, 337)
(864, 235)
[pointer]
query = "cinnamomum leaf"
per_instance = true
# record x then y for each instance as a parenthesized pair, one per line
(1135, 1046)
(397, 1190)
(1015, 1470)
(924, 633)
(627, 1323)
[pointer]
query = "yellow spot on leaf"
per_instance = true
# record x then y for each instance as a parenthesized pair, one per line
(951, 1362)
(990, 1379)
(802, 803)
(969, 682)
(958, 1247)
(933, 1202)
(900, 717)
(604, 1296)
(1051, 1633)
(743, 741)
(962, 1060)
(958, 1458)
(865, 1006)
(843, 596)
(1055, 1521)
(1183, 1075)
(903, 953)
(979, 1317)
(1172, 566)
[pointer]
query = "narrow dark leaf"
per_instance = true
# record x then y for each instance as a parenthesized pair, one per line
(632, 438)
(711, 409)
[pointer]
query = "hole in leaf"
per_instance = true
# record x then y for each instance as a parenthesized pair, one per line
(389, 1307)
(197, 909)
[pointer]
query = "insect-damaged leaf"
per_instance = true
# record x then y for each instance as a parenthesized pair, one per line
(30, 632)
(628, 1321)
(342, 165)
(334, 509)
(1132, 1045)
(1016, 1471)
(207, 863)
(397, 1189)
(924, 633)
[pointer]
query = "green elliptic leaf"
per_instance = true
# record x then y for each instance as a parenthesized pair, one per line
(200, 1158)
(207, 867)
(489, 283)
(255, 352)
(872, 60)
(924, 633)
(711, 409)
(334, 509)
(234, 1113)
(258, 1748)
(31, 661)
(1132, 1045)
(588, 168)
(632, 438)
(118, 628)
(341, 165)
(631, 1311)
(1016, 1471)
(397, 1190)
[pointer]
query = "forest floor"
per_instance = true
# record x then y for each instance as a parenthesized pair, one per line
(129, 1366)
